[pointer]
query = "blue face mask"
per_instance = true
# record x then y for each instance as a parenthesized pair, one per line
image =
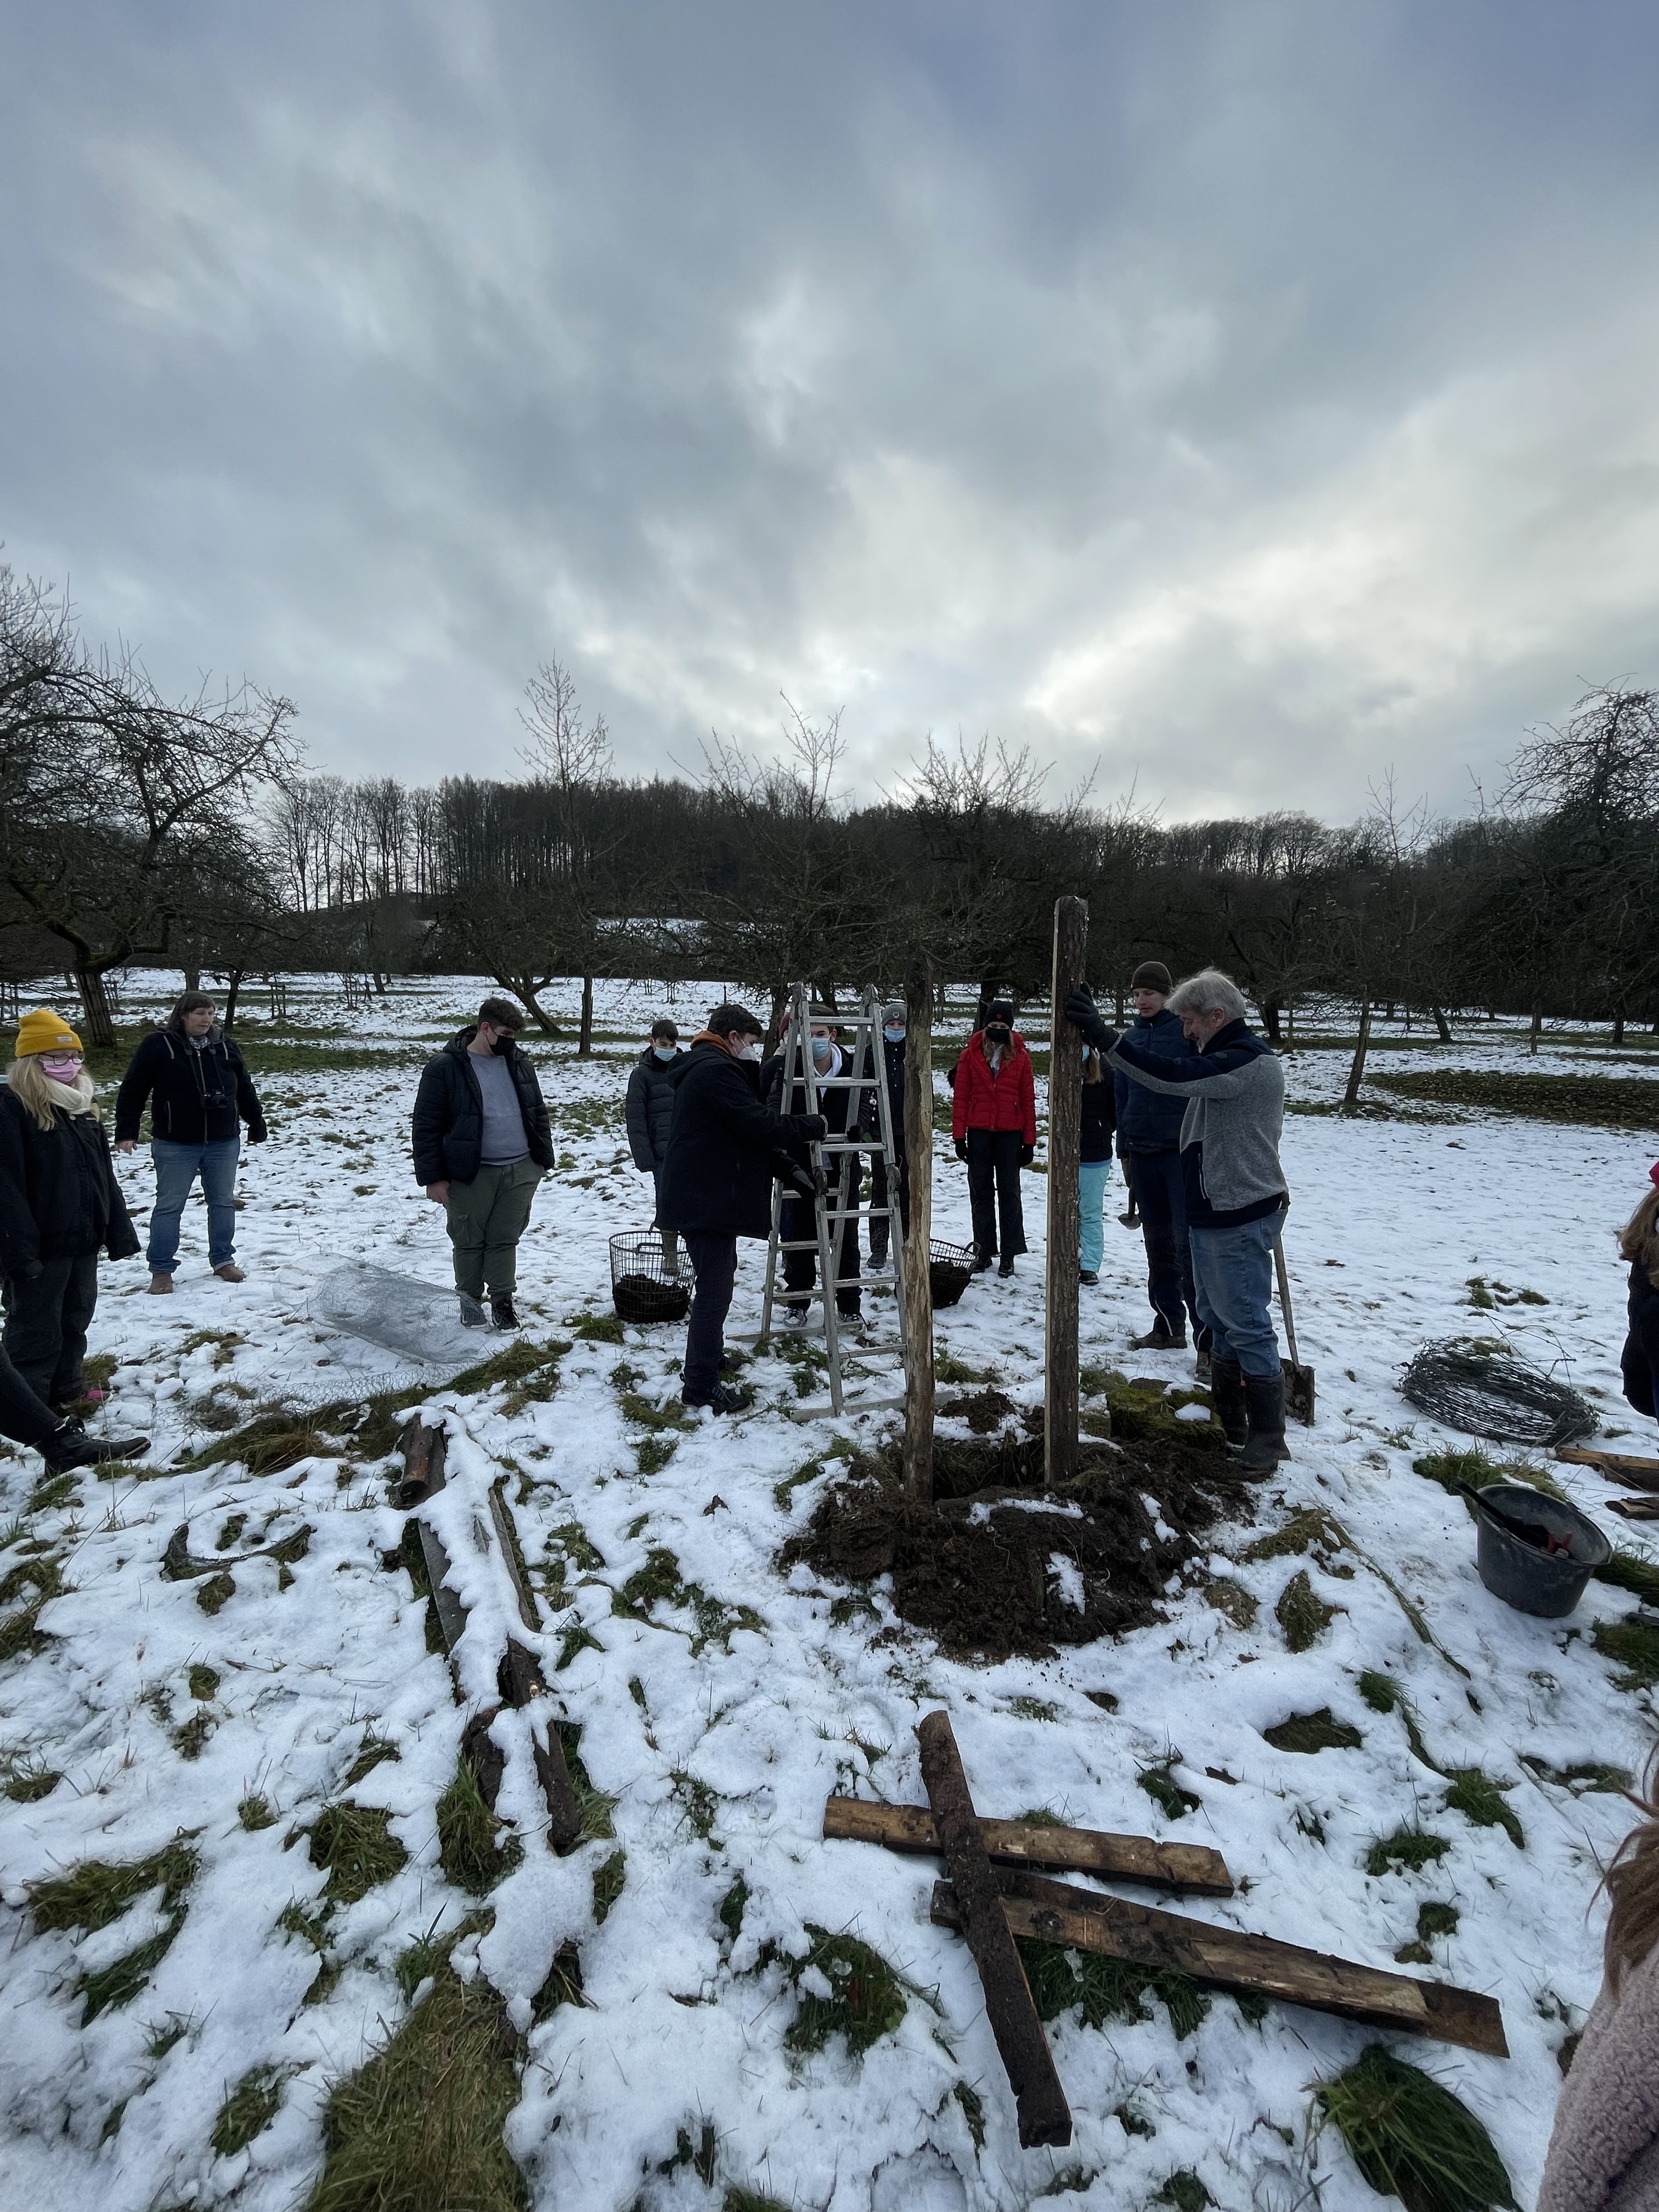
(894, 1036)
(821, 1048)
(666, 1051)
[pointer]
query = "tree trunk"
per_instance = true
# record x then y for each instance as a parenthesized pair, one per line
(1357, 1067)
(1270, 1022)
(524, 988)
(914, 1248)
(1619, 1029)
(95, 1009)
(1119, 1009)
(1290, 1025)
(1537, 1029)
(1065, 1138)
(584, 1035)
(193, 979)
(775, 1027)
(1443, 1027)
(381, 983)
(233, 992)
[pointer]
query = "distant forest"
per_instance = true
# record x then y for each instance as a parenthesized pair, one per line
(139, 829)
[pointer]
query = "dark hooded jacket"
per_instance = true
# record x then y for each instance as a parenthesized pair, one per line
(59, 1198)
(651, 1089)
(196, 1095)
(1149, 1121)
(447, 1126)
(717, 1178)
(1640, 1361)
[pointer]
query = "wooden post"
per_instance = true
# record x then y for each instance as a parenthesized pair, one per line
(1044, 2115)
(914, 1248)
(1064, 1137)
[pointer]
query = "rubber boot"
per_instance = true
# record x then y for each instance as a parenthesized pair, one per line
(1227, 1396)
(1264, 1405)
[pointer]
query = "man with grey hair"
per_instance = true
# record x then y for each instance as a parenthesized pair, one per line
(1234, 1188)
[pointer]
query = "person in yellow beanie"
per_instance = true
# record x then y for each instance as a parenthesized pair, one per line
(60, 1204)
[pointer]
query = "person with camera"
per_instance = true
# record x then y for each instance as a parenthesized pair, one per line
(723, 1148)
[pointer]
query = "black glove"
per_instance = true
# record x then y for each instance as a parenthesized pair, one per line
(819, 1127)
(257, 1132)
(1081, 1012)
(962, 1148)
(1027, 1154)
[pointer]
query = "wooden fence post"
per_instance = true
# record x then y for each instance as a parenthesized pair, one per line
(916, 1287)
(1065, 1138)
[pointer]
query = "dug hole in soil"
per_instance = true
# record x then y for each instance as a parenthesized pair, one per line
(987, 1579)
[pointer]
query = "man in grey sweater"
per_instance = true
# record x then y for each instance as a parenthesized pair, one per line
(1233, 1088)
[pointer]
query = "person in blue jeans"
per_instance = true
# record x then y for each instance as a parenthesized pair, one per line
(199, 1093)
(1149, 1145)
(1234, 1087)
(1094, 1165)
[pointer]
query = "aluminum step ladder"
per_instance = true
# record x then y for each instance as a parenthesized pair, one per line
(838, 1205)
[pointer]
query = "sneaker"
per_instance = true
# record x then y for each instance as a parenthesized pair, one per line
(1160, 1337)
(1087, 1275)
(722, 1398)
(502, 1312)
(984, 1264)
(472, 1313)
(230, 1273)
(161, 1287)
(1007, 1268)
(795, 1317)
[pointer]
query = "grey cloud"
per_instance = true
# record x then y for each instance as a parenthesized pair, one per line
(1245, 399)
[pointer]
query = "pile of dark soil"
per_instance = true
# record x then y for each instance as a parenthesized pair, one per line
(981, 1580)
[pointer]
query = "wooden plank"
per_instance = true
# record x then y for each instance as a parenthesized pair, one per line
(915, 1247)
(1060, 1374)
(1193, 1867)
(451, 1614)
(519, 1678)
(1626, 1467)
(509, 1551)
(424, 1449)
(1054, 1913)
(1635, 1509)
(1044, 2115)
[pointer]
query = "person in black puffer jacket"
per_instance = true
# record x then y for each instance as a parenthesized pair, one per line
(652, 1089)
(59, 1205)
(199, 1093)
(1639, 1243)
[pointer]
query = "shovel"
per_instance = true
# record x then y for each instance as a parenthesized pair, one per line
(1298, 1379)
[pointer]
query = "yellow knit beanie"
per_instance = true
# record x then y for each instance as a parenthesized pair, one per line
(45, 1031)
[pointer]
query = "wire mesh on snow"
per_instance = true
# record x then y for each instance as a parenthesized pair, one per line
(1492, 1393)
(950, 1270)
(646, 1283)
(399, 1313)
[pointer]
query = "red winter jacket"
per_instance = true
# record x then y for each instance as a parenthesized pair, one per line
(1006, 1100)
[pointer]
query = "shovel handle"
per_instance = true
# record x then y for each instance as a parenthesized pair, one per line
(1284, 1299)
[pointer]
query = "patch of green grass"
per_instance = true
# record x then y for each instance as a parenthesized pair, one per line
(1131, 2122)
(562, 1984)
(1384, 1695)
(1478, 1469)
(469, 1851)
(42, 1574)
(947, 1368)
(430, 1953)
(119, 1982)
(699, 1803)
(1410, 1849)
(973, 2111)
(1301, 1615)
(596, 1808)
(204, 1682)
(248, 2110)
(189, 1740)
(1034, 1708)
(214, 1592)
(514, 1363)
(1232, 1600)
(783, 1492)
(234, 1524)
(1626, 1570)
(1313, 1732)
(750, 2200)
(256, 1811)
(356, 1845)
(1104, 1989)
(652, 1453)
(577, 1637)
(597, 1328)
(1312, 1530)
(1432, 1921)
(1633, 1645)
(1166, 1792)
(421, 2124)
(29, 1780)
(94, 1894)
(1411, 2138)
(572, 1540)
(51, 1493)
(270, 1444)
(866, 1999)
(1604, 1102)
(1593, 1776)
(1184, 2190)
(731, 1911)
(659, 1582)
(376, 1750)
(1480, 1799)
(608, 1880)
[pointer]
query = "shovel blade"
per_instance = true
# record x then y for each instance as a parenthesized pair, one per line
(1298, 1391)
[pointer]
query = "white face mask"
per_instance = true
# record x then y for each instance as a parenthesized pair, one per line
(666, 1051)
(750, 1051)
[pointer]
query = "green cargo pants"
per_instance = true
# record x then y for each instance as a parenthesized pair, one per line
(486, 1218)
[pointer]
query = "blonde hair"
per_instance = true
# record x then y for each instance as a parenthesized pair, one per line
(1638, 1240)
(1094, 1067)
(34, 1087)
(1631, 1882)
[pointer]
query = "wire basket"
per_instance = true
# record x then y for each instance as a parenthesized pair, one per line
(950, 1270)
(647, 1285)
(1490, 1394)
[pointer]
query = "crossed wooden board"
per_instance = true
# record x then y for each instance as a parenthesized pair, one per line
(992, 1866)
(1625, 1469)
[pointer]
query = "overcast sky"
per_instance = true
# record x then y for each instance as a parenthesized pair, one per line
(1242, 399)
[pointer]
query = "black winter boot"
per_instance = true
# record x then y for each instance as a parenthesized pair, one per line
(1264, 1403)
(1160, 1337)
(1227, 1396)
(70, 1446)
(502, 1312)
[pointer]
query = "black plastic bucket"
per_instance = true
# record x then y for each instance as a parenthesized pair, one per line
(1548, 1584)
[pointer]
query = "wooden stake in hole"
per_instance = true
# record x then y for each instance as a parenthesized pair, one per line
(1065, 1144)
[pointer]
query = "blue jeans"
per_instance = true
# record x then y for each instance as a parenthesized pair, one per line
(177, 1167)
(1234, 1268)
(1092, 1177)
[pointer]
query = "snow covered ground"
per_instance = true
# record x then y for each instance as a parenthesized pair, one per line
(720, 1745)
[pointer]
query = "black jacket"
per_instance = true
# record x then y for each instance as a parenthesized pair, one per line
(194, 1097)
(717, 1178)
(1099, 1119)
(843, 1108)
(1149, 1121)
(651, 1089)
(448, 1118)
(893, 1058)
(1640, 1361)
(59, 1198)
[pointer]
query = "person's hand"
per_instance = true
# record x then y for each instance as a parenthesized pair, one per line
(962, 1148)
(820, 1128)
(1027, 1154)
(30, 1271)
(257, 1132)
(1083, 1014)
(438, 1193)
(126, 1144)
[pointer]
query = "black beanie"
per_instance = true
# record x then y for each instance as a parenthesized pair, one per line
(1152, 975)
(999, 1009)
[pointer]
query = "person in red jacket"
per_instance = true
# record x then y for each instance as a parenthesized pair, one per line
(993, 1120)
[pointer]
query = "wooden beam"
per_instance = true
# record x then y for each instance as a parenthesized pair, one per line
(1193, 1867)
(423, 1449)
(509, 1551)
(451, 1614)
(1065, 1127)
(1044, 2115)
(1626, 1467)
(1054, 1913)
(1635, 1509)
(913, 1250)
